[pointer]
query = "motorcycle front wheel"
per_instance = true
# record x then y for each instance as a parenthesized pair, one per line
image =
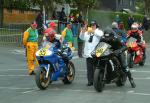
(130, 61)
(68, 79)
(41, 81)
(98, 80)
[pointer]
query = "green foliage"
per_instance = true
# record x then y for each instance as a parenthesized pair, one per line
(105, 18)
(17, 4)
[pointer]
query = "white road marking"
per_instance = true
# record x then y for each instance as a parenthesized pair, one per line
(13, 69)
(21, 75)
(16, 51)
(143, 94)
(15, 88)
(29, 91)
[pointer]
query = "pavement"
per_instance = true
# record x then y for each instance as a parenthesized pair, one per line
(16, 86)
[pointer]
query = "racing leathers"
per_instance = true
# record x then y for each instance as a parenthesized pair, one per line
(137, 34)
(119, 48)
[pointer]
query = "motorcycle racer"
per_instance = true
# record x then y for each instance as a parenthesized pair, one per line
(111, 38)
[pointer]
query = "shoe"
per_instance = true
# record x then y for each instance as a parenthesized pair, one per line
(32, 73)
(89, 84)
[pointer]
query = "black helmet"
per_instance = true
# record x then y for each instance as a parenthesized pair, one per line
(109, 33)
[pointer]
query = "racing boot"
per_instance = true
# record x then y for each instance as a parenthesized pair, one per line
(128, 73)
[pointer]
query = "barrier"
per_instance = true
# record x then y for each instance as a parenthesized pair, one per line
(12, 35)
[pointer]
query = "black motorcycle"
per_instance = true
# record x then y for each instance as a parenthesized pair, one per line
(108, 68)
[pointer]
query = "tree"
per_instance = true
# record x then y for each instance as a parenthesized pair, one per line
(144, 6)
(1, 13)
(147, 6)
(84, 5)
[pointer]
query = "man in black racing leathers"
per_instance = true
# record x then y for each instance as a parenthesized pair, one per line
(119, 48)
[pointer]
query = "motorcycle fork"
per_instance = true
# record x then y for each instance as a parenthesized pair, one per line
(47, 72)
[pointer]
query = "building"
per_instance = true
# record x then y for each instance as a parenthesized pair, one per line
(118, 5)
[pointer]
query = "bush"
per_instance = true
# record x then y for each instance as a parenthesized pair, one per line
(105, 18)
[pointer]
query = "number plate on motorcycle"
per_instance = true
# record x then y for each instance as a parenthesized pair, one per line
(100, 51)
(42, 52)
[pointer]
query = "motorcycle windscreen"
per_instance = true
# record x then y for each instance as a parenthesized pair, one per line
(131, 42)
(101, 48)
(45, 50)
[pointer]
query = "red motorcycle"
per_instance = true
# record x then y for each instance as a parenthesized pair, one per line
(136, 53)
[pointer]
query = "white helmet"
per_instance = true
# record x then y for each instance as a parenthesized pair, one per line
(135, 26)
(114, 24)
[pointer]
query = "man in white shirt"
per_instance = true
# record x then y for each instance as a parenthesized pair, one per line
(91, 37)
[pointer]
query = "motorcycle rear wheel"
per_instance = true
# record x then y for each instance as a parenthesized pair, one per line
(98, 80)
(41, 81)
(143, 61)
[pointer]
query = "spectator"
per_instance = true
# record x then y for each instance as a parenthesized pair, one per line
(91, 37)
(30, 41)
(71, 18)
(145, 23)
(141, 28)
(39, 21)
(54, 14)
(130, 21)
(62, 20)
(121, 26)
(80, 17)
(62, 16)
(67, 35)
(81, 42)
(117, 19)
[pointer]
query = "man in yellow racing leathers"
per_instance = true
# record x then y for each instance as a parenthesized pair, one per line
(30, 41)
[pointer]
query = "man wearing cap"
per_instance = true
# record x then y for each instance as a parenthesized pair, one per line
(91, 36)
(67, 35)
(30, 41)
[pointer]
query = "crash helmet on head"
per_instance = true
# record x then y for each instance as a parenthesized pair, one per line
(52, 24)
(135, 26)
(114, 25)
(109, 34)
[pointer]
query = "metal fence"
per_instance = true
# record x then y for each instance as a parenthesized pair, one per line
(10, 36)
(12, 33)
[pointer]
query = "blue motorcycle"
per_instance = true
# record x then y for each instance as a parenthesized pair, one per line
(54, 65)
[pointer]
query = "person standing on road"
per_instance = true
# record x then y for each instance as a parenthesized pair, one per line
(130, 21)
(91, 37)
(145, 23)
(30, 41)
(67, 35)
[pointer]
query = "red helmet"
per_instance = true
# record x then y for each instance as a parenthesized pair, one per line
(51, 35)
(52, 24)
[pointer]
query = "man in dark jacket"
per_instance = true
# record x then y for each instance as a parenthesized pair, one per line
(130, 21)
(39, 20)
(145, 23)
